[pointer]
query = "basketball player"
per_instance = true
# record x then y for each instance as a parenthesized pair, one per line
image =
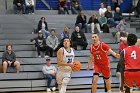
(130, 64)
(65, 58)
(124, 39)
(99, 57)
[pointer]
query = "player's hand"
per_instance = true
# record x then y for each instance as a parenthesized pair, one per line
(117, 55)
(71, 65)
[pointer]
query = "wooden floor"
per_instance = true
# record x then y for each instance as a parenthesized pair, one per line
(80, 91)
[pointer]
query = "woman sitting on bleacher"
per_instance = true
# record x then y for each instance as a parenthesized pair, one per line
(9, 59)
(43, 27)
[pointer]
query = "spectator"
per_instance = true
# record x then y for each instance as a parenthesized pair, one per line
(49, 72)
(121, 28)
(9, 59)
(65, 33)
(103, 23)
(43, 27)
(102, 9)
(109, 16)
(81, 21)
(93, 22)
(78, 38)
(117, 15)
(62, 7)
(117, 3)
(52, 42)
(75, 6)
(18, 6)
(30, 6)
(40, 44)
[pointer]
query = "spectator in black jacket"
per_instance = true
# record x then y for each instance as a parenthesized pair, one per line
(43, 27)
(75, 6)
(78, 38)
(9, 59)
(40, 44)
(18, 6)
(81, 21)
(93, 22)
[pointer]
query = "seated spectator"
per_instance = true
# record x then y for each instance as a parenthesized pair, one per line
(81, 21)
(93, 22)
(75, 6)
(18, 6)
(103, 23)
(121, 28)
(109, 16)
(49, 72)
(9, 59)
(43, 27)
(117, 16)
(102, 9)
(65, 33)
(78, 38)
(29, 6)
(40, 44)
(62, 7)
(52, 42)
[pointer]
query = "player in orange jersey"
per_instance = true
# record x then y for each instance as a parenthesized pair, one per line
(130, 64)
(99, 56)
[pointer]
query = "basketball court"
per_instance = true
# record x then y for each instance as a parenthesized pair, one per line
(80, 91)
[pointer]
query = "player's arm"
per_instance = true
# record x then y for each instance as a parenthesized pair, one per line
(90, 61)
(60, 58)
(122, 70)
(114, 53)
(138, 42)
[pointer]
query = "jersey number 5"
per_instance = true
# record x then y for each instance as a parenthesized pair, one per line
(133, 54)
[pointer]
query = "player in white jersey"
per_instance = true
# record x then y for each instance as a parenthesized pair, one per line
(65, 58)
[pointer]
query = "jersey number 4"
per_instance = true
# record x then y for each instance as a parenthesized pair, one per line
(133, 54)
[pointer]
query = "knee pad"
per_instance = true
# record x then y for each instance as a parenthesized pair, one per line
(65, 80)
(96, 74)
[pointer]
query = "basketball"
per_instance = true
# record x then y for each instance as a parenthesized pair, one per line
(77, 66)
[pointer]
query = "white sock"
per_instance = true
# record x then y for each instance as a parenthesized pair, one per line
(63, 89)
(109, 91)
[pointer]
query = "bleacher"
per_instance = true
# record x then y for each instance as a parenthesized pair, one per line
(17, 29)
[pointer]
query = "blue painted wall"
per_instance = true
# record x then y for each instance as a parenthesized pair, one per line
(86, 4)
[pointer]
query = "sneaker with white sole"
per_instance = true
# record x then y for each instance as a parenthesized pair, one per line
(54, 88)
(39, 56)
(48, 90)
(46, 56)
